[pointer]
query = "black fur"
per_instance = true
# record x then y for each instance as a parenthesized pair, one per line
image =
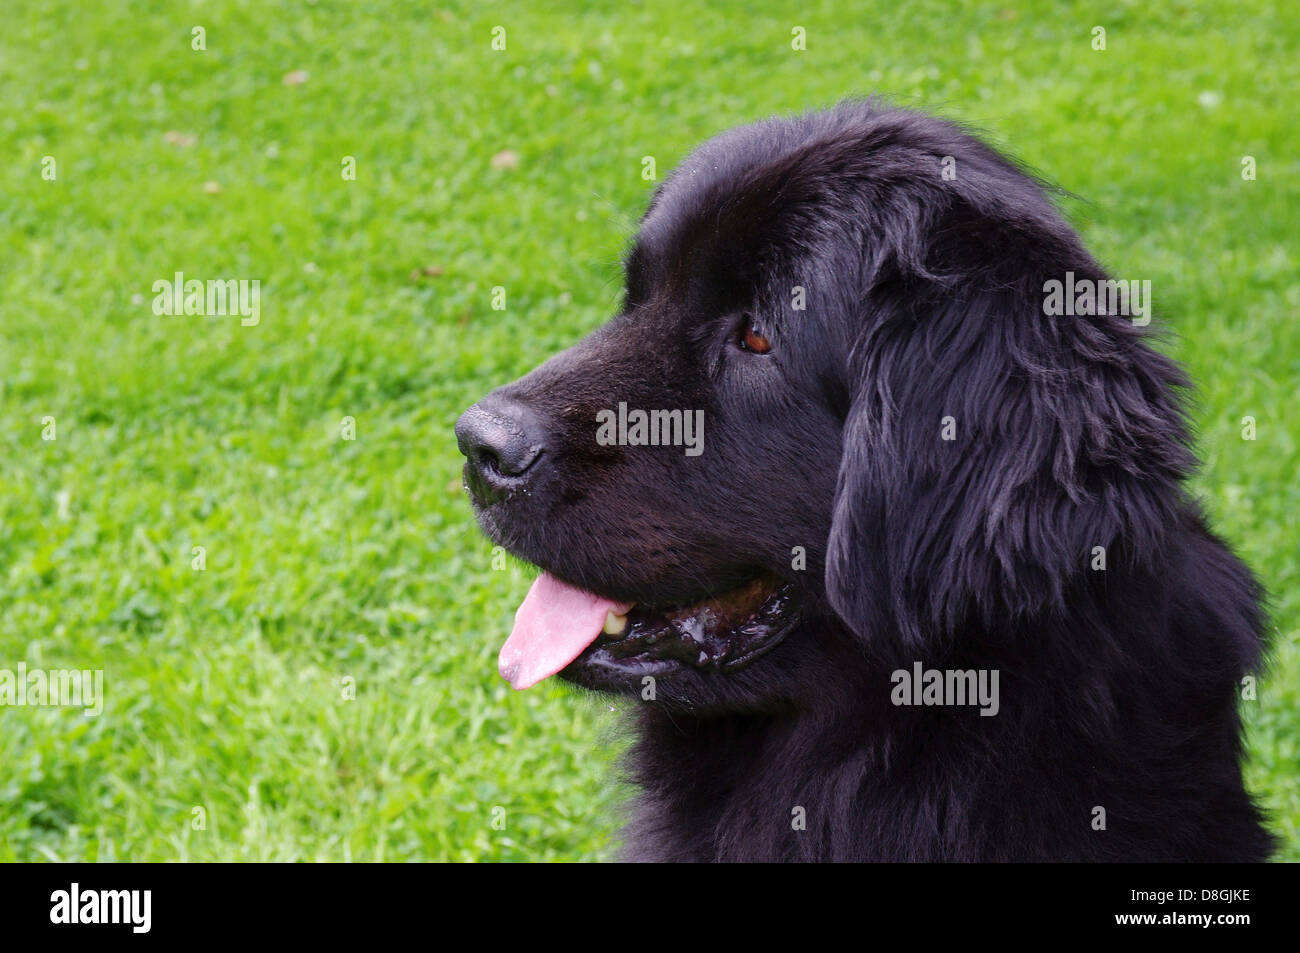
(924, 301)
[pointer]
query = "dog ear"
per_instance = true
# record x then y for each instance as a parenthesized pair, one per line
(994, 455)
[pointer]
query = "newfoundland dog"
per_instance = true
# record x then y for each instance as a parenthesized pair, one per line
(872, 496)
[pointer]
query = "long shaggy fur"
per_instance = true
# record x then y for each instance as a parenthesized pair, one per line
(1118, 687)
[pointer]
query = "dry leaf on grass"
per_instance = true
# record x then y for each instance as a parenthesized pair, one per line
(506, 159)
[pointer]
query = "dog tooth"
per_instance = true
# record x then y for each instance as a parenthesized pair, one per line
(615, 624)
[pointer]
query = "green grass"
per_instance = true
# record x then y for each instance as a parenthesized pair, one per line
(330, 559)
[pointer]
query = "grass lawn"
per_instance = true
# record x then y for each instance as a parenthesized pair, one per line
(337, 566)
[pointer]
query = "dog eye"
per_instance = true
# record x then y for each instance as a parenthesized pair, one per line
(750, 339)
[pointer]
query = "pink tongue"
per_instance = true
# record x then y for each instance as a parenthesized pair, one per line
(553, 624)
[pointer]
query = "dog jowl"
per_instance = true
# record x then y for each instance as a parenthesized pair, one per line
(909, 462)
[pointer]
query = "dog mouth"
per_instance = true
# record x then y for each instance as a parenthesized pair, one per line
(560, 628)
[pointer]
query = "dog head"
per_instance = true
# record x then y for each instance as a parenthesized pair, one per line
(832, 419)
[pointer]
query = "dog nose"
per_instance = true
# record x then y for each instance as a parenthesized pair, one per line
(501, 442)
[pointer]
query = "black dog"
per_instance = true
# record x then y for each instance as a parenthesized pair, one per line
(915, 577)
